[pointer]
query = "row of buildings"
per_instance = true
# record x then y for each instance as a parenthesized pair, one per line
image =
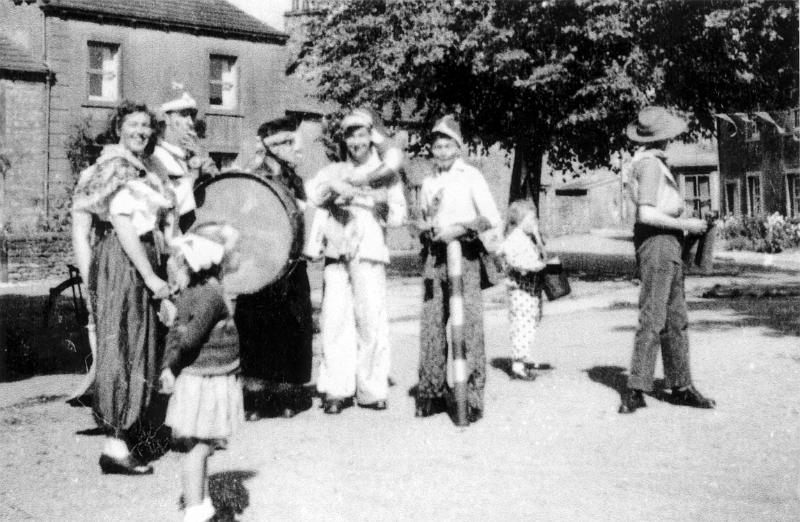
(64, 63)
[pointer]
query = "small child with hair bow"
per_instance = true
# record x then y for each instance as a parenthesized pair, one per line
(522, 251)
(201, 363)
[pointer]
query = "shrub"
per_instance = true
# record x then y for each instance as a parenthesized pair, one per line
(770, 234)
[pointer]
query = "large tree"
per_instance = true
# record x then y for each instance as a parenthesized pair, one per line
(559, 76)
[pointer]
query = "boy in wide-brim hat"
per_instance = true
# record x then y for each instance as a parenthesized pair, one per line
(658, 237)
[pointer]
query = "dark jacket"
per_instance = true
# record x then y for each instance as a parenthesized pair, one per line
(203, 339)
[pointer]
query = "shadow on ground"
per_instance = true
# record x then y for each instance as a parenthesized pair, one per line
(779, 316)
(229, 494)
(34, 342)
(615, 377)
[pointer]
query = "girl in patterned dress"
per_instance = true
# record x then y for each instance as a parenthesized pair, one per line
(523, 255)
(201, 363)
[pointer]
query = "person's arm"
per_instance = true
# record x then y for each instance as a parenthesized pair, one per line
(648, 173)
(185, 340)
(650, 215)
(328, 186)
(133, 248)
(81, 241)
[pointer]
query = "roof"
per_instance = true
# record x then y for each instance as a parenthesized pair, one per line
(209, 16)
(699, 154)
(15, 58)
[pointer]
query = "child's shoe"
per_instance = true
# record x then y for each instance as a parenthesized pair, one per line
(202, 512)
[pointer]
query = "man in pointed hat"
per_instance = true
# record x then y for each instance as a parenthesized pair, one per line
(178, 154)
(658, 236)
(457, 206)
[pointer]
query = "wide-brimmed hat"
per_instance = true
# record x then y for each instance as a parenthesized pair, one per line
(655, 124)
(448, 126)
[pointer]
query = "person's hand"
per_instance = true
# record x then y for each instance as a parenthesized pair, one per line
(695, 225)
(449, 233)
(158, 286)
(166, 382)
(167, 312)
(344, 191)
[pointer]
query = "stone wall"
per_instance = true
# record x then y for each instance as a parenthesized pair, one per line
(23, 142)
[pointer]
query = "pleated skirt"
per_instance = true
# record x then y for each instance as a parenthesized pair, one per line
(205, 407)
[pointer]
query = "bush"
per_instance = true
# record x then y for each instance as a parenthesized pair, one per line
(770, 234)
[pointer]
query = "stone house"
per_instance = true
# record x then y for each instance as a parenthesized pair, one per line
(81, 57)
(759, 162)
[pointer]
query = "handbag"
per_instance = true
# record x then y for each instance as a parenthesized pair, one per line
(554, 280)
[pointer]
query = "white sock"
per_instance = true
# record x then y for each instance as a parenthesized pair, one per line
(518, 367)
(116, 448)
(201, 512)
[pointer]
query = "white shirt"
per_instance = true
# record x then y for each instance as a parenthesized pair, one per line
(458, 195)
(357, 231)
(171, 160)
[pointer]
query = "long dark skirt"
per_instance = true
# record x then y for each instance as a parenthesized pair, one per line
(128, 347)
(275, 330)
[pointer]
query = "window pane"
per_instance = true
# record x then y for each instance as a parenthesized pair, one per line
(690, 188)
(705, 187)
(95, 85)
(215, 94)
(216, 68)
(95, 56)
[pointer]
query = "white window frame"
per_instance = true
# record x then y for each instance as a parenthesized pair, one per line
(737, 197)
(751, 211)
(690, 199)
(792, 184)
(751, 131)
(228, 82)
(110, 71)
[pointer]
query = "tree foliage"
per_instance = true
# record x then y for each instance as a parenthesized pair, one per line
(560, 76)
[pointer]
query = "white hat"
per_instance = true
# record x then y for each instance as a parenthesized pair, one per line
(179, 104)
(448, 126)
(357, 118)
(655, 124)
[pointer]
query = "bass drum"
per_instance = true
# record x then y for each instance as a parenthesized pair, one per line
(269, 222)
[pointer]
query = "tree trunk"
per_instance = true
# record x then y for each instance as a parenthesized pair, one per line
(526, 174)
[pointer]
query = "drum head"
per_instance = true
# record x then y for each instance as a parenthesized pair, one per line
(260, 210)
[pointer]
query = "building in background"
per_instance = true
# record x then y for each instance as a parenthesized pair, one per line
(759, 162)
(88, 55)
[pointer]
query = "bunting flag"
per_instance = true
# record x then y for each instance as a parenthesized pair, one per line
(725, 117)
(767, 118)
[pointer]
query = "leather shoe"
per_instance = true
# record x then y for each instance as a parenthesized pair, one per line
(124, 466)
(474, 414)
(428, 407)
(377, 405)
(689, 396)
(526, 375)
(335, 406)
(631, 401)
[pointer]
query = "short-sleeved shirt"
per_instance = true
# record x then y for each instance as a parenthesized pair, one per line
(656, 185)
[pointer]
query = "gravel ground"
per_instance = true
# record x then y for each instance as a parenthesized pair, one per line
(553, 449)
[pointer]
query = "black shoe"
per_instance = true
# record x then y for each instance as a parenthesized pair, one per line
(288, 413)
(124, 466)
(526, 375)
(335, 406)
(689, 396)
(377, 405)
(474, 414)
(428, 407)
(538, 366)
(631, 401)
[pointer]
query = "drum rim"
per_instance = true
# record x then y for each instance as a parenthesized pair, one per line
(286, 199)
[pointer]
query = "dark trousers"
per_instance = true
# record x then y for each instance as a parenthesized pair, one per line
(663, 320)
(433, 328)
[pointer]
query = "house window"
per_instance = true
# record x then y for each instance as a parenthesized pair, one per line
(732, 198)
(103, 72)
(223, 82)
(754, 193)
(751, 131)
(697, 194)
(793, 195)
